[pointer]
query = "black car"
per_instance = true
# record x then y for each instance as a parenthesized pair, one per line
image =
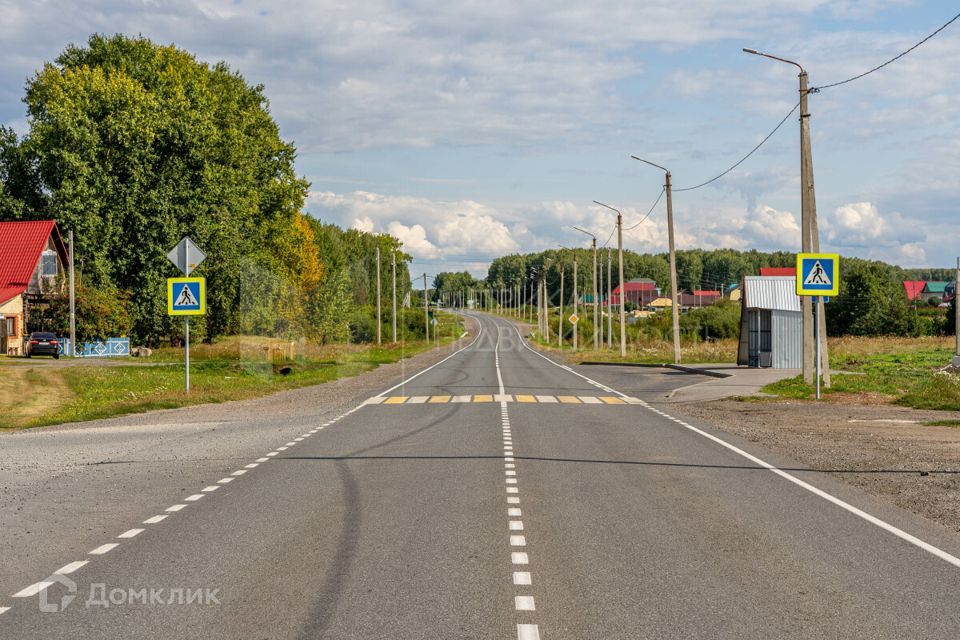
(42, 343)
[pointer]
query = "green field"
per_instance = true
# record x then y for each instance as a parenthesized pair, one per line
(233, 368)
(903, 371)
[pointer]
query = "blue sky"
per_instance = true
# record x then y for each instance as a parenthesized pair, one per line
(473, 129)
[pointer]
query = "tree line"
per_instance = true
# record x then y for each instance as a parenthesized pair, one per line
(872, 298)
(133, 145)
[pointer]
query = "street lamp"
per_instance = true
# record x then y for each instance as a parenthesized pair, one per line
(623, 315)
(595, 343)
(674, 294)
(810, 235)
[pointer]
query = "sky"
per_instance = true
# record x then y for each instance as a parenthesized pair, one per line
(475, 129)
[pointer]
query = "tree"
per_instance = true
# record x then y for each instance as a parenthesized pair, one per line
(871, 302)
(133, 145)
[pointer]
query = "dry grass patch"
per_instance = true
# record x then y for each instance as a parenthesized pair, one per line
(31, 395)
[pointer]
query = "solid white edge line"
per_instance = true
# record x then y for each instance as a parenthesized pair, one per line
(900, 533)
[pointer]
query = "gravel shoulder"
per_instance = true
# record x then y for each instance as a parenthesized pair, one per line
(886, 450)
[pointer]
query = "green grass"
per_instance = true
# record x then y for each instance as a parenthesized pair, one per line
(218, 373)
(942, 423)
(897, 371)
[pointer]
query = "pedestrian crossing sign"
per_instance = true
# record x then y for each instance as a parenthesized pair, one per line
(186, 296)
(818, 274)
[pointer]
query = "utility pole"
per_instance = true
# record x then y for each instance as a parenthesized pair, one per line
(560, 331)
(576, 301)
(378, 296)
(623, 314)
(596, 343)
(809, 240)
(597, 301)
(674, 293)
(394, 295)
(956, 315)
(673, 276)
(73, 303)
(609, 299)
(426, 310)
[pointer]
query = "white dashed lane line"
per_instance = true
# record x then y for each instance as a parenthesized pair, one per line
(524, 579)
(104, 548)
(37, 587)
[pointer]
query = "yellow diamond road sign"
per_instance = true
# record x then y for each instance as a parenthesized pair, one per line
(818, 274)
(573, 318)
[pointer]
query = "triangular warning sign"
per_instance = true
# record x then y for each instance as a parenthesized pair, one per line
(818, 276)
(186, 299)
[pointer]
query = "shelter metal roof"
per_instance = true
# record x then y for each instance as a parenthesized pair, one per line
(771, 292)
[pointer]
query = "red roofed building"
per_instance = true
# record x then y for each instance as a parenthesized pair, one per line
(640, 292)
(914, 288)
(32, 255)
(778, 271)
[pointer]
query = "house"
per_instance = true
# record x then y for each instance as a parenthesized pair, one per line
(734, 292)
(914, 288)
(704, 298)
(771, 323)
(32, 256)
(934, 290)
(778, 271)
(640, 292)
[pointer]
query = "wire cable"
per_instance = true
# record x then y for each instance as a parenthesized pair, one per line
(891, 60)
(743, 159)
(662, 191)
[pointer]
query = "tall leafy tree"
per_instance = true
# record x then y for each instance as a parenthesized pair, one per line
(135, 145)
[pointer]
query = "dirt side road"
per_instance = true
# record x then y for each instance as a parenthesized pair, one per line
(884, 449)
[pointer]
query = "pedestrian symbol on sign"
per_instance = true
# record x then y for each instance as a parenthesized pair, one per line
(186, 299)
(817, 275)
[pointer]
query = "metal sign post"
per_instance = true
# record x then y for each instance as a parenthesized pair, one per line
(186, 296)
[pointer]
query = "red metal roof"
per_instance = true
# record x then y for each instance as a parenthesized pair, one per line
(778, 271)
(637, 286)
(21, 244)
(914, 288)
(703, 292)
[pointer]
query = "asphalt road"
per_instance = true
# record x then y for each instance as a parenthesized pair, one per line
(494, 495)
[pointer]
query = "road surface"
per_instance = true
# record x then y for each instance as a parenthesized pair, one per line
(496, 494)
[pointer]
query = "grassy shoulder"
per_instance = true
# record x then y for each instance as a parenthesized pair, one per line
(903, 371)
(234, 368)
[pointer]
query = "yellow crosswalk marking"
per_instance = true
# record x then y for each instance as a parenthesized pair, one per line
(486, 397)
(569, 399)
(396, 400)
(439, 399)
(526, 399)
(483, 398)
(612, 400)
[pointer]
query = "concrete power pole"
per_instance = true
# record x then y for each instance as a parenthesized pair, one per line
(597, 301)
(426, 310)
(674, 294)
(596, 342)
(378, 297)
(560, 329)
(394, 295)
(609, 299)
(956, 316)
(623, 289)
(575, 303)
(73, 304)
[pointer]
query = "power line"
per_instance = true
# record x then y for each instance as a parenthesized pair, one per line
(891, 60)
(662, 191)
(743, 159)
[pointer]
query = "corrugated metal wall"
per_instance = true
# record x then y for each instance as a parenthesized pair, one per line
(787, 329)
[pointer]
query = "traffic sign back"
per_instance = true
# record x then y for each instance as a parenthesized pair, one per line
(818, 274)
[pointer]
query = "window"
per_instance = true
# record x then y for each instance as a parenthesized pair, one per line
(11, 326)
(48, 263)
